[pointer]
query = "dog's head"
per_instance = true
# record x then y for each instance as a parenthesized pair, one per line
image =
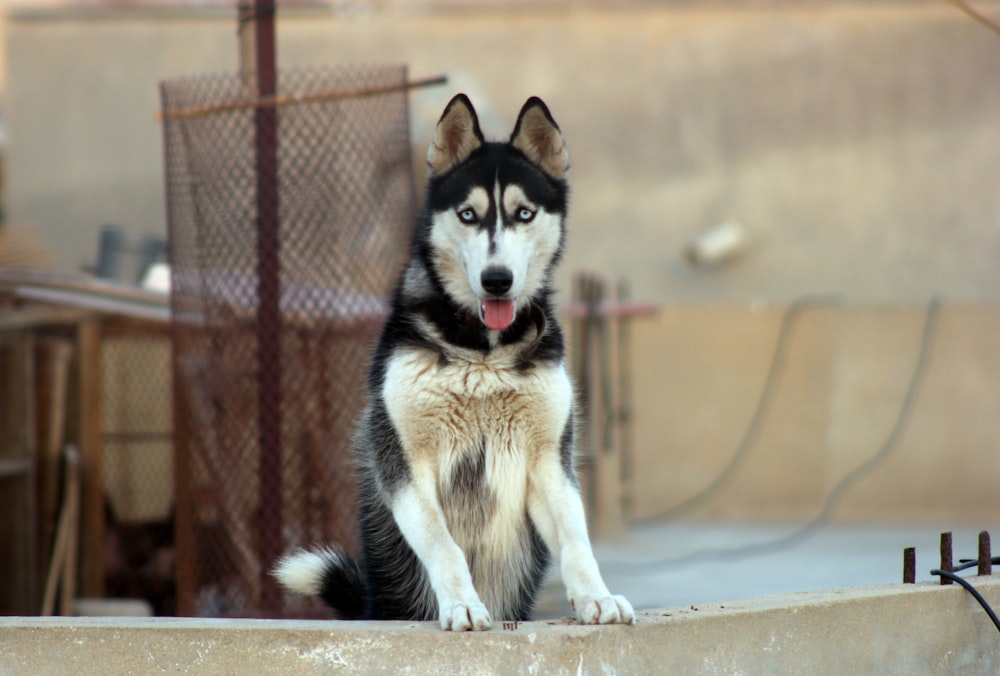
(496, 210)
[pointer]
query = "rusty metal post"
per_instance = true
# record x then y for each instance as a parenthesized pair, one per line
(909, 565)
(946, 558)
(269, 353)
(985, 556)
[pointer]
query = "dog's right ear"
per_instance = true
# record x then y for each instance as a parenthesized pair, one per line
(457, 136)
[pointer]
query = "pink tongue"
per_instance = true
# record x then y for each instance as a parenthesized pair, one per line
(498, 314)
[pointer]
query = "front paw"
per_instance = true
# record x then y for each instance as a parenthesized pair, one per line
(603, 610)
(464, 615)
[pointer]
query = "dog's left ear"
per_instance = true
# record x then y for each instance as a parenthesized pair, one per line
(537, 135)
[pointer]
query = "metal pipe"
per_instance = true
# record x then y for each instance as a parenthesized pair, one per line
(269, 393)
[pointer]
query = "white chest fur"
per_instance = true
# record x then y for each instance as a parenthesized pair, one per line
(443, 410)
(476, 426)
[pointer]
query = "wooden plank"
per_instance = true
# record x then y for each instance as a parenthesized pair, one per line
(39, 316)
(22, 279)
(14, 467)
(89, 441)
(67, 589)
(18, 585)
(53, 360)
(95, 301)
(62, 569)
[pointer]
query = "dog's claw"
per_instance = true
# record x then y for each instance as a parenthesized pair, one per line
(465, 616)
(605, 610)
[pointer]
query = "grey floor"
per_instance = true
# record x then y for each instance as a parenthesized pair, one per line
(682, 564)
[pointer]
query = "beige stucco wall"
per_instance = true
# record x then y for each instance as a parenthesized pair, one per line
(700, 371)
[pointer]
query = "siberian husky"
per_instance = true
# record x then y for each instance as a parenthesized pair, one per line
(465, 452)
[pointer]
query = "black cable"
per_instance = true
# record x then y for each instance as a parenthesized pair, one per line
(764, 402)
(969, 563)
(835, 495)
(969, 588)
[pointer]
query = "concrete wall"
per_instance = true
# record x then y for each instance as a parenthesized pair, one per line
(911, 630)
(856, 142)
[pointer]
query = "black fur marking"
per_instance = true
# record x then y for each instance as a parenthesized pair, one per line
(388, 458)
(547, 344)
(467, 493)
(396, 580)
(469, 475)
(492, 163)
(542, 189)
(459, 327)
(566, 454)
(344, 588)
(551, 347)
(540, 558)
(489, 222)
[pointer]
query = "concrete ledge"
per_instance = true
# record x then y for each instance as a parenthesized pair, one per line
(892, 629)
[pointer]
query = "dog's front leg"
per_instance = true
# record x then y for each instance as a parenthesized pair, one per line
(556, 508)
(421, 521)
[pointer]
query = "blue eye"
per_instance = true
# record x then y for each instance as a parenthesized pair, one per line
(524, 215)
(467, 216)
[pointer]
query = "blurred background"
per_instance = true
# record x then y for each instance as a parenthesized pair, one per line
(781, 284)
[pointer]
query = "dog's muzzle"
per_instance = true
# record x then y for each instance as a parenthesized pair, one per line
(496, 312)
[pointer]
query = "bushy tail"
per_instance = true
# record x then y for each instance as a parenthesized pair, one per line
(329, 573)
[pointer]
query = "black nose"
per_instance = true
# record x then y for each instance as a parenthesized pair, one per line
(496, 280)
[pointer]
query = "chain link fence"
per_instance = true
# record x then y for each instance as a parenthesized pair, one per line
(271, 336)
